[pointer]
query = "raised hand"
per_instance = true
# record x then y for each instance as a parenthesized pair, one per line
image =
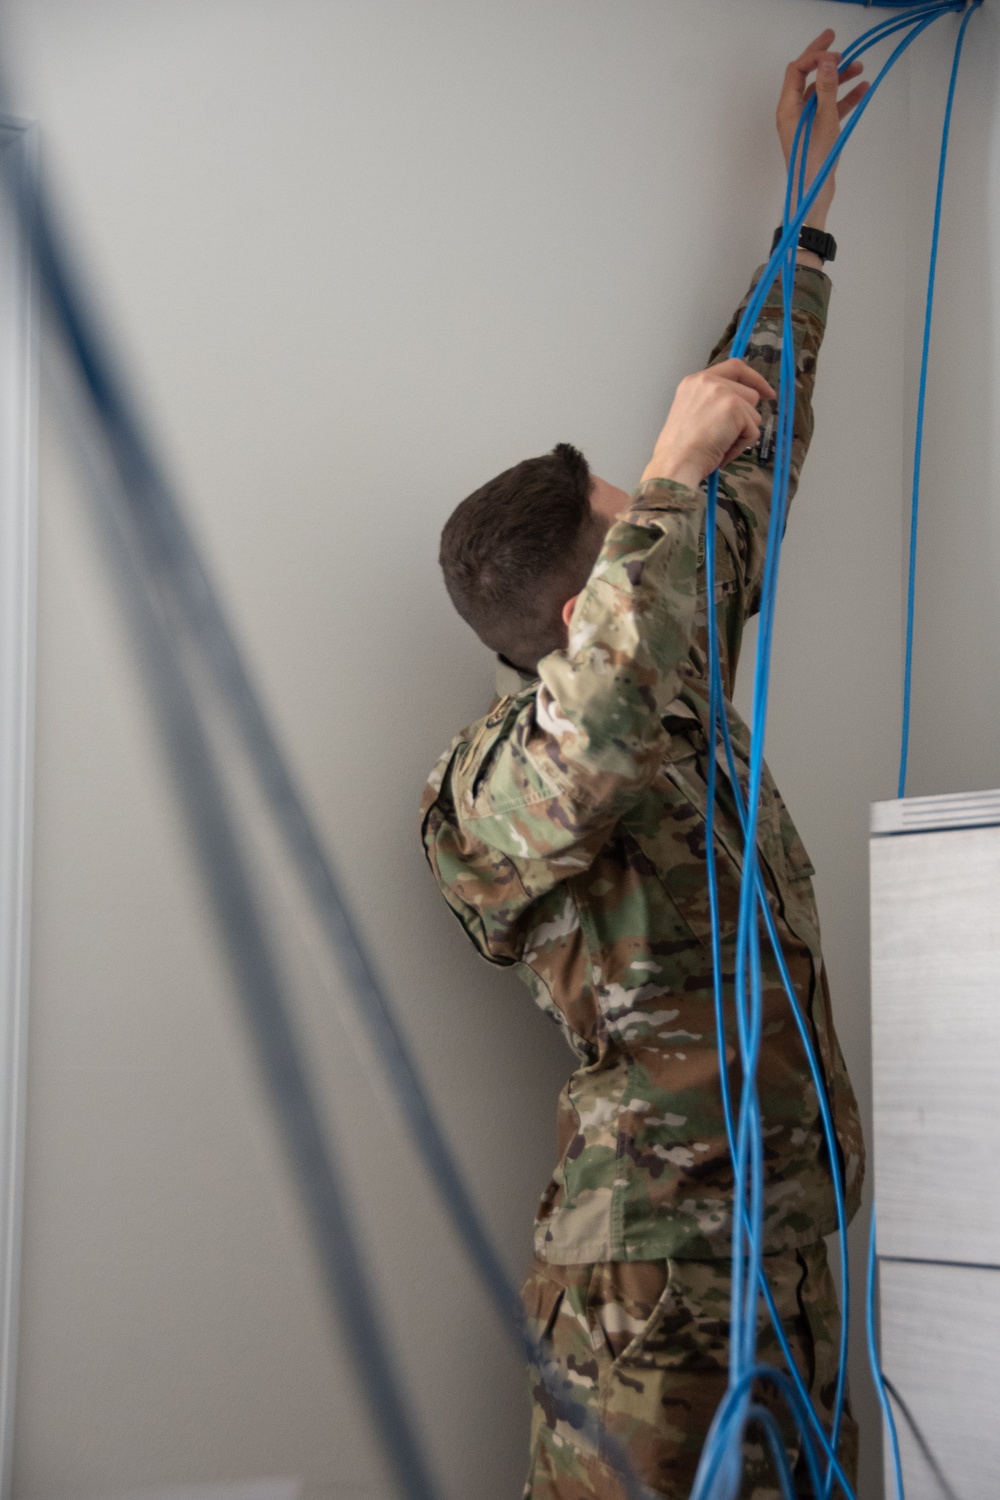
(713, 417)
(830, 111)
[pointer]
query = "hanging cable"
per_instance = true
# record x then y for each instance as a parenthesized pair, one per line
(189, 608)
(918, 446)
(202, 789)
(719, 1468)
(911, 587)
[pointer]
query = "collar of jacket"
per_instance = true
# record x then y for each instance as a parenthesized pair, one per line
(510, 680)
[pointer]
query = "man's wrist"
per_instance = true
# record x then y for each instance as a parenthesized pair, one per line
(686, 471)
(809, 258)
(815, 247)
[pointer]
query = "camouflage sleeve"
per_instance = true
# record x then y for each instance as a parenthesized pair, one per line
(529, 795)
(745, 487)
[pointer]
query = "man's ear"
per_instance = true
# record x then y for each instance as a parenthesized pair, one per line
(567, 609)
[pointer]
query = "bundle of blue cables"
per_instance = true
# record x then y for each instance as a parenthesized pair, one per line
(182, 620)
(721, 1463)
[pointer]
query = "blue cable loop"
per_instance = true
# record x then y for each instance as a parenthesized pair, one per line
(715, 1453)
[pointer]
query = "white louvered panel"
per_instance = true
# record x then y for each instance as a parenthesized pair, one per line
(941, 1352)
(935, 904)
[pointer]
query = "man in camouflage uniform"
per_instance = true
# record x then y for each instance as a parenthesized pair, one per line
(566, 830)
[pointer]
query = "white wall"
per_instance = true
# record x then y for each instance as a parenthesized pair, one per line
(362, 256)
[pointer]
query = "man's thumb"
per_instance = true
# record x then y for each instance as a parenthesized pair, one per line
(827, 86)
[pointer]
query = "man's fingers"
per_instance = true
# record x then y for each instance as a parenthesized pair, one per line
(793, 90)
(803, 65)
(751, 424)
(746, 393)
(827, 84)
(747, 439)
(738, 370)
(798, 71)
(749, 428)
(844, 75)
(713, 418)
(852, 100)
(827, 64)
(818, 44)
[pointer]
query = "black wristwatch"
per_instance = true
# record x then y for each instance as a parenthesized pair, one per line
(817, 240)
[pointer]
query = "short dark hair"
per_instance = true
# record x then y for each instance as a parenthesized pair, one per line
(515, 550)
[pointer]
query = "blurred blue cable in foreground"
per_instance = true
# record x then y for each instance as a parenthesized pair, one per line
(910, 5)
(168, 591)
(179, 622)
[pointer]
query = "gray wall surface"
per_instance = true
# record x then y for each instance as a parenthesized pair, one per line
(955, 746)
(361, 256)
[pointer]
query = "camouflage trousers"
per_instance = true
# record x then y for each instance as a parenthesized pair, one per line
(644, 1346)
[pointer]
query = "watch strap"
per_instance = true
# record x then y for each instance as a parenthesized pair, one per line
(817, 240)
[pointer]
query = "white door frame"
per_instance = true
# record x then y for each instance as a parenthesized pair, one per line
(18, 442)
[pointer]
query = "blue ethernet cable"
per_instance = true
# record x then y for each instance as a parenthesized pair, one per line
(713, 1467)
(872, 1262)
(743, 1320)
(911, 585)
(715, 699)
(793, 158)
(909, 5)
(189, 609)
(135, 502)
(802, 135)
(203, 792)
(763, 647)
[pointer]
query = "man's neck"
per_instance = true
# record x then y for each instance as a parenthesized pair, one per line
(511, 680)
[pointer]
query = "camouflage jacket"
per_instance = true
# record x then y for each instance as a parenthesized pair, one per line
(566, 830)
